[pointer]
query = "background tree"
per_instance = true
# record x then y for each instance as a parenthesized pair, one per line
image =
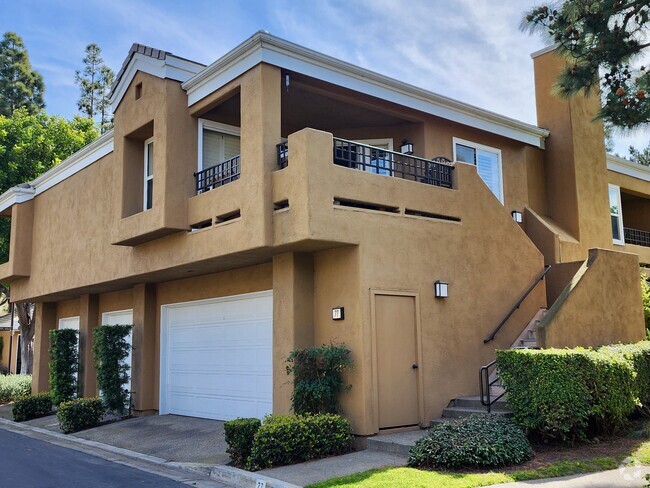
(601, 39)
(95, 82)
(29, 146)
(20, 85)
(641, 156)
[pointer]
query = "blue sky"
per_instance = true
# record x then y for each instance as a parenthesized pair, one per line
(470, 50)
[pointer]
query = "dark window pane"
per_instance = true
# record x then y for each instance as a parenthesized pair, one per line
(616, 231)
(149, 195)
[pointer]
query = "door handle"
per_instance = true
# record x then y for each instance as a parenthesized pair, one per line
(415, 366)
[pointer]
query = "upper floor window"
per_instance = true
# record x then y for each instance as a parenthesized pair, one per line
(217, 143)
(616, 214)
(487, 161)
(148, 174)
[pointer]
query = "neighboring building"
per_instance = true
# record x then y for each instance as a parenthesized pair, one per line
(230, 218)
(10, 339)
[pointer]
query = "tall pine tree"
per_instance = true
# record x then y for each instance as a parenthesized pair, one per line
(95, 82)
(20, 85)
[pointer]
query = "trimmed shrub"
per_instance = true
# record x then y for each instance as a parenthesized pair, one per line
(32, 407)
(80, 414)
(15, 386)
(239, 437)
(477, 441)
(288, 439)
(64, 364)
(110, 349)
(645, 296)
(638, 356)
(568, 394)
(318, 378)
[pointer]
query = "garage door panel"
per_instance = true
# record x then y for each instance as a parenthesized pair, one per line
(217, 358)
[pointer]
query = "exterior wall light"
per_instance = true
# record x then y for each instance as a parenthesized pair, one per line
(517, 216)
(442, 289)
(407, 147)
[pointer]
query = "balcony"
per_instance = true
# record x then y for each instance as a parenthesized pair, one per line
(636, 237)
(218, 175)
(349, 154)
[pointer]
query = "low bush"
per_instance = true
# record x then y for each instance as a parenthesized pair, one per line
(80, 414)
(478, 441)
(32, 407)
(14, 386)
(287, 439)
(638, 356)
(569, 394)
(239, 437)
(318, 377)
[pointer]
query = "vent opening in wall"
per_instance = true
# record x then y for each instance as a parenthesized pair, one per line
(428, 215)
(138, 91)
(342, 202)
(281, 205)
(201, 225)
(227, 217)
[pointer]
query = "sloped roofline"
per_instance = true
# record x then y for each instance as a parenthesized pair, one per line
(627, 167)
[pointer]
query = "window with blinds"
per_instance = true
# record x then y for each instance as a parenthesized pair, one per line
(218, 147)
(487, 161)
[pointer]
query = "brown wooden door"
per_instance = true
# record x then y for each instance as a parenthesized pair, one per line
(397, 379)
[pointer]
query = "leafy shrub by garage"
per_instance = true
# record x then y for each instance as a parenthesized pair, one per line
(318, 377)
(239, 437)
(15, 386)
(32, 407)
(111, 348)
(480, 440)
(64, 364)
(80, 414)
(568, 394)
(288, 439)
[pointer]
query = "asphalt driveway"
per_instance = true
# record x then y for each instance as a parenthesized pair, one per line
(170, 437)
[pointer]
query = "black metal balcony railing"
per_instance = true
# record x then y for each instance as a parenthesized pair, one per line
(283, 154)
(218, 175)
(437, 171)
(637, 237)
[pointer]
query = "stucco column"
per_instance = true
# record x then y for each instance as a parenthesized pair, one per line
(293, 318)
(44, 321)
(260, 132)
(143, 368)
(88, 320)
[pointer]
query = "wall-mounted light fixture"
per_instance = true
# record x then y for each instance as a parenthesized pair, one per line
(407, 147)
(441, 289)
(517, 216)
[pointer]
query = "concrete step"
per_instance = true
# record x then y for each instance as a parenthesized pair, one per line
(461, 412)
(531, 343)
(398, 443)
(475, 403)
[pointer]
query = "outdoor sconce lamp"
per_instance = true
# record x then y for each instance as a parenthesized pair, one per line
(407, 147)
(442, 289)
(517, 216)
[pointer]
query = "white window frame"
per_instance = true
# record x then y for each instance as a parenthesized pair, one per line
(376, 143)
(216, 127)
(617, 189)
(146, 176)
(482, 147)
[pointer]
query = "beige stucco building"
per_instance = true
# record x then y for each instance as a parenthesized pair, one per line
(279, 198)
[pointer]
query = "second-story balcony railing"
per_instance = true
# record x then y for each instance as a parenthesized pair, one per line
(437, 171)
(637, 237)
(218, 175)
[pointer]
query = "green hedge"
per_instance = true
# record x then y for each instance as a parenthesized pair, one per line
(239, 437)
(14, 386)
(32, 407)
(110, 349)
(64, 364)
(478, 441)
(80, 414)
(288, 439)
(571, 394)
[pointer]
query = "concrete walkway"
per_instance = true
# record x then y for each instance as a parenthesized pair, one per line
(628, 477)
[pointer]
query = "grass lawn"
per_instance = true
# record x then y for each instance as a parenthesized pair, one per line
(550, 463)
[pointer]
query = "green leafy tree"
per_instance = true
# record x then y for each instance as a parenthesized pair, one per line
(641, 156)
(602, 40)
(30, 144)
(94, 81)
(20, 85)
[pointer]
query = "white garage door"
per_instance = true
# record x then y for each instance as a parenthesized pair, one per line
(216, 357)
